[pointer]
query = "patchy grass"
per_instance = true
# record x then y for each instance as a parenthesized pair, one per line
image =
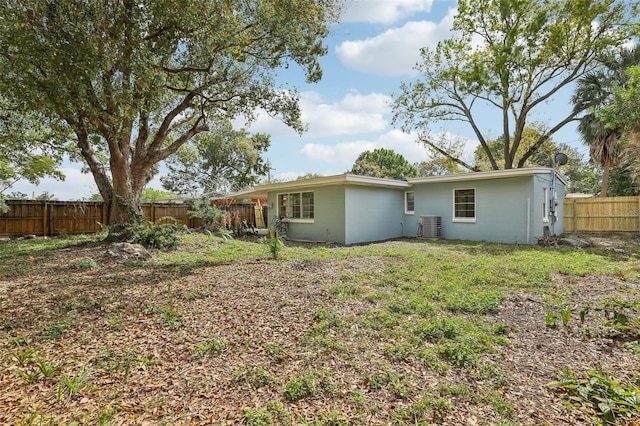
(402, 332)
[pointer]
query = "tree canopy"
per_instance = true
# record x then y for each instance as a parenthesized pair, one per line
(30, 148)
(608, 117)
(134, 80)
(217, 162)
(507, 59)
(384, 163)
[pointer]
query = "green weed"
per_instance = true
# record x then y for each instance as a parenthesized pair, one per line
(275, 352)
(602, 395)
(72, 385)
(84, 264)
(212, 345)
(299, 387)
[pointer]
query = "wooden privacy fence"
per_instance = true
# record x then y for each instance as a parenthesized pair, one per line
(602, 214)
(51, 218)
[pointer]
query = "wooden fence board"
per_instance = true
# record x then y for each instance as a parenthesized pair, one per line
(52, 218)
(602, 214)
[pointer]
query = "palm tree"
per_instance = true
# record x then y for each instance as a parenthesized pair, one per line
(593, 92)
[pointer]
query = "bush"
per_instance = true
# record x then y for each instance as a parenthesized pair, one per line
(213, 217)
(157, 235)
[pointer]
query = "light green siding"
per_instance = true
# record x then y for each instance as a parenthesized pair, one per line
(373, 214)
(329, 213)
(509, 207)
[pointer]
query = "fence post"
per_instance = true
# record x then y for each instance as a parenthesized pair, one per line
(45, 216)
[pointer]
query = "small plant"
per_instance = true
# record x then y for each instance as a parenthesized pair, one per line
(258, 417)
(212, 345)
(299, 387)
(172, 317)
(84, 264)
(47, 370)
(550, 319)
(55, 330)
(280, 225)
(72, 385)
(275, 352)
(566, 316)
(273, 242)
(602, 395)
(257, 376)
(23, 353)
(274, 413)
(426, 411)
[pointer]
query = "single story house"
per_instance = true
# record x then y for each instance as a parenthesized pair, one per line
(510, 206)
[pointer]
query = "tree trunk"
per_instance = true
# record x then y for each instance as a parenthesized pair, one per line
(605, 178)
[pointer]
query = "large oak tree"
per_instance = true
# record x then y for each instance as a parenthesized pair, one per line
(134, 80)
(506, 60)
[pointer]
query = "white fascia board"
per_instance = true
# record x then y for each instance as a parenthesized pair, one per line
(260, 191)
(493, 174)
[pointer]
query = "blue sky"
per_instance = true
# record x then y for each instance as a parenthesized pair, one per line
(371, 51)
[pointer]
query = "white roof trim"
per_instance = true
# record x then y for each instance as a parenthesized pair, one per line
(261, 191)
(493, 174)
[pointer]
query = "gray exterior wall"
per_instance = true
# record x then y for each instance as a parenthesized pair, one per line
(508, 210)
(329, 215)
(373, 214)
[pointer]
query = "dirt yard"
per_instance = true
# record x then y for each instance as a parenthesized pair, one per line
(91, 339)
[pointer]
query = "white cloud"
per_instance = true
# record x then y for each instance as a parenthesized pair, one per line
(396, 51)
(353, 114)
(76, 186)
(383, 11)
(346, 153)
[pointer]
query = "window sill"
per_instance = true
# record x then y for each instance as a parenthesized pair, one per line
(462, 220)
(410, 213)
(290, 220)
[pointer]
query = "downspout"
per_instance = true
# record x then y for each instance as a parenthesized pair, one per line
(528, 220)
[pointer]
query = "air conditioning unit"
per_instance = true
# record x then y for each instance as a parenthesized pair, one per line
(431, 226)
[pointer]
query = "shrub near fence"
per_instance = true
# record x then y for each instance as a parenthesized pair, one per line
(52, 218)
(602, 214)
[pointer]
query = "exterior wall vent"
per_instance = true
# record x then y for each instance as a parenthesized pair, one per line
(431, 226)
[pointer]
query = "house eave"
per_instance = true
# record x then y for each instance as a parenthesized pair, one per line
(493, 174)
(261, 191)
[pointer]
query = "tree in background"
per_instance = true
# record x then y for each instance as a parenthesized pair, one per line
(441, 163)
(309, 176)
(508, 57)
(530, 135)
(622, 114)
(218, 162)
(593, 93)
(383, 163)
(134, 80)
(30, 148)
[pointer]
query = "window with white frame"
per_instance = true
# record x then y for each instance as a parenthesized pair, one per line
(296, 205)
(409, 202)
(464, 205)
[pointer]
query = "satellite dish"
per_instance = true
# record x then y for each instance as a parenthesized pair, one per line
(560, 159)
